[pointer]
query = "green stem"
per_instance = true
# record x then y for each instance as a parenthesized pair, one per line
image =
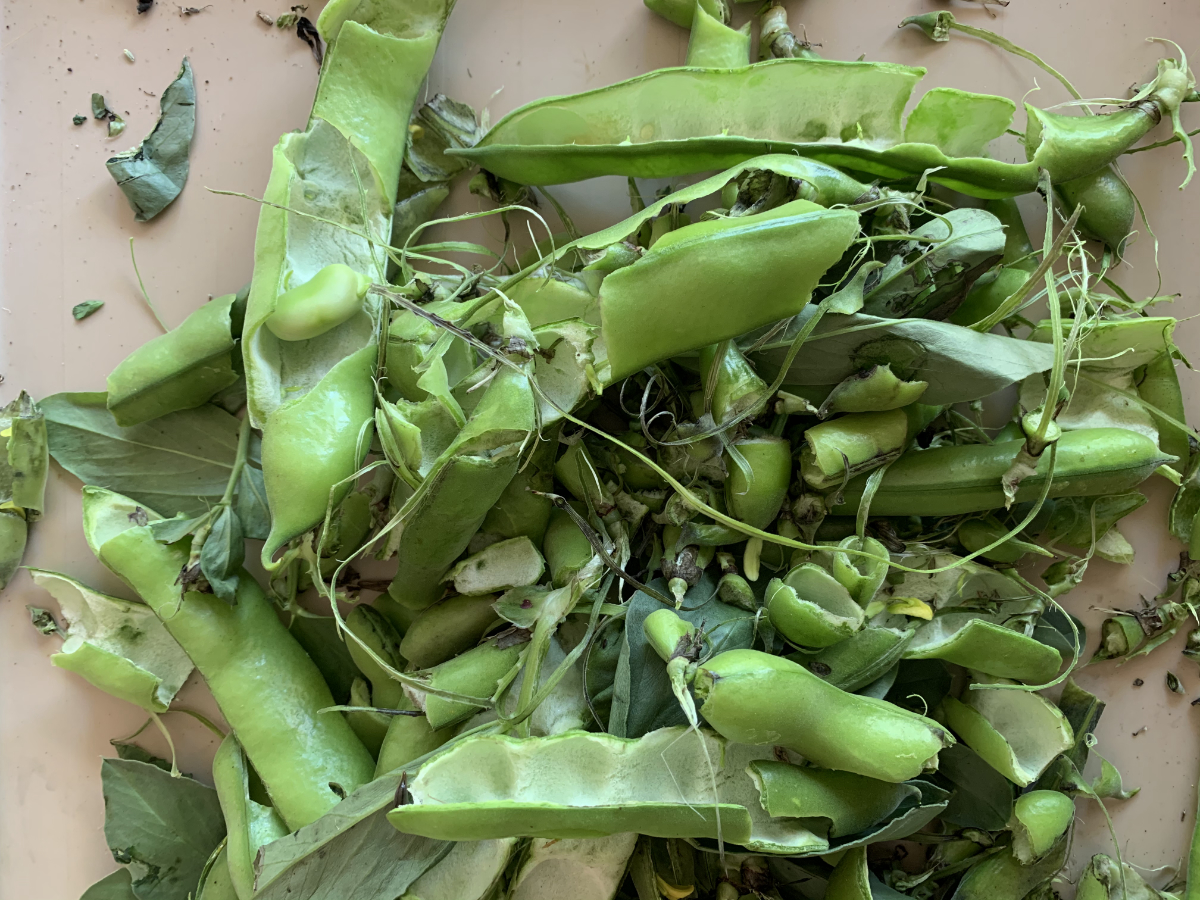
(141, 285)
(1174, 139)
(1005, 44)
(239, 461)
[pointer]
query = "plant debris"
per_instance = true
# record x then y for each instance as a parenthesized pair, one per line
(129, 55)
(193, 10)
(82, 310)
(152, 174)
(307, 32)
(143, 6)
(1173, 683)
(78, 119)
(262, 15)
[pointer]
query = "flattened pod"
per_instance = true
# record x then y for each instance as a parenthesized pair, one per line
(756, 698)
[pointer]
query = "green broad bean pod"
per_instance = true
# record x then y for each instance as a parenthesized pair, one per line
(874, 389)
(627, 129)
(475, 673)
(664, 304)
(756, 698)
(447, 628)
(737, 388)
(566, 548)
(249, 825)
(949, 481)
(756, 496)
(1004, 877)
(181, 369)
(116, 645)
(975, 642)
(1017, 263)
(714, 45)
(850, 445)
(23, 469)
(363, 121)
(681, 11)
(463, 485)
(371, 628)
(811, 608)
(1109, 207)
(412, 370)
(408, 738)
(498, 567)
(264, 683)
(853, 664)
(1039, 820)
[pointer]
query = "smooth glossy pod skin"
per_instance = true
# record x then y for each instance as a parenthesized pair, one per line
(715, 280)
(447, 629)
(756, 698)
(178, 370)
(318, 305)
(1108, 205)
(268, 689)
(408, 738)
(948, 481)
(566, 548)
(1003, 877)
(756, 500)
(476, 673)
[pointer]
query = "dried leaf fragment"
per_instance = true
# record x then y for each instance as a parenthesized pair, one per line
(143, 6)
(82, 310)
(264, 17)
(307, 32)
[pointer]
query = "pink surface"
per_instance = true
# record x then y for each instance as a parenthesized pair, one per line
(65, 239)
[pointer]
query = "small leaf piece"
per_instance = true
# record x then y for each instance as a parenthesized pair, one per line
(82, 310)
(163, 828)
(152, 174)
(117, 886)
(222, 555)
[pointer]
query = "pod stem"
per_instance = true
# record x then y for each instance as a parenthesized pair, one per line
(145, 296)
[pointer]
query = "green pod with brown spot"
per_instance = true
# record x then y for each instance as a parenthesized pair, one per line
(757, 698)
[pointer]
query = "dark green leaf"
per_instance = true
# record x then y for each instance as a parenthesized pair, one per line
(920, 684)
(650, 703)
(166, 827)
(179, 463)
(152, 174)
(982, 798)
(82, 310)
(1082, 711)
(252, 504)
(351, 852)
(127, 750)
(117, 886)
(43, 620)
(222, 554)
(78, 120)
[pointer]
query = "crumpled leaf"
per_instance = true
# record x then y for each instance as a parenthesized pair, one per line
(438, 125)
(119, 646)
(178, 463)
(959, 364)
(82, 310)
(163, 828)
(222, 554)
(152, 174)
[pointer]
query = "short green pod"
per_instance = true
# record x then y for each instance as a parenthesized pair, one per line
(370, 627)
(248, 825)
(714, 45)
(447, 628)
(1159, 387)
(215, 884)
(737, 388)
(498, 567)
(566, 548)
(181, 369)
(862, 576)
(851, 445)
(950, 481)
(264, 683)
(580, 475)
(681, 11)
(14, 533)
(318, 305)
(875, 389)
(736, 591)
(850, 878)
(636, 474)
(1004, 877)
(1108, 205)
(1039, 819)
(975, 534)
(756, 698)
(811, 608)
(408, 738)
(669, 634)
(475, 673)
(1120, 635)
(755, 497)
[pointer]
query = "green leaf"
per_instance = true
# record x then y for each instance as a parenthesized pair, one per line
(168, 531)
(222, 555)
(179, 463)
(982, 798)
(100, 109)
(651, 704)
(352, 851)
(251, 506)
(117, 886)
(82, 310)
(152, 174)
(127, 750)
(959, 364)
(163, 828)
